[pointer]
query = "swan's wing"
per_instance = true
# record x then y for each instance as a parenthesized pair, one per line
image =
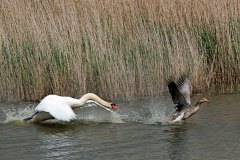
(98, 104)
(184, 86)
(177, 96)
(57, 108)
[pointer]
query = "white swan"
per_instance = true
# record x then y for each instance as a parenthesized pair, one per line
(61, 108)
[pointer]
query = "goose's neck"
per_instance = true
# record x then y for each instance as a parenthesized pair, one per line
(197, 105)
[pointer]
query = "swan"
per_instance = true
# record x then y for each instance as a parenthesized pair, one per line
(61, 108)
(181, 92)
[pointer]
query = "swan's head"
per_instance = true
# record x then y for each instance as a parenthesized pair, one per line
(110, 105)
(104, 104)
(93, 98)
(113, 106)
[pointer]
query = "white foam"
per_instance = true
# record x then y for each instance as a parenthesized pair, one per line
(87, 113)
(17, 114)
(147, 113)
(159, 114)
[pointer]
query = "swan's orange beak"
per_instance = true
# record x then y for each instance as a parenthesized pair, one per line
(113, 106)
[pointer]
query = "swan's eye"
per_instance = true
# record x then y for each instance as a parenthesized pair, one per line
(113, 104)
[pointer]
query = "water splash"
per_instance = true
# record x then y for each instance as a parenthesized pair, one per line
(158, 115)
(17, 114)
(135, 115)
(147, 112)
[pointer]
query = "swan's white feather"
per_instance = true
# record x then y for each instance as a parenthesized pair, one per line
(57, 106)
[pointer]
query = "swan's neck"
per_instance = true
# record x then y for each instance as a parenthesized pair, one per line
(90, 96)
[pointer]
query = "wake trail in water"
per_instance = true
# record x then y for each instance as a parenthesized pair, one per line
(147, 113)
(89, 112)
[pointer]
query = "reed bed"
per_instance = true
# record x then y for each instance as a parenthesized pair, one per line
(120, 50)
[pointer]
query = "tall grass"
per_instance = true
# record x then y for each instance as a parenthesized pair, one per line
(117, 49)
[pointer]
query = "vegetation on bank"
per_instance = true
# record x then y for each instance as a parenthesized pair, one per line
(116, 49)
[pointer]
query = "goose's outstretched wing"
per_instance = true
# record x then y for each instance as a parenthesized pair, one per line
(184, 86)
(177, 97)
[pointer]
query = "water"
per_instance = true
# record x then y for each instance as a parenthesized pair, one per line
(213, 133)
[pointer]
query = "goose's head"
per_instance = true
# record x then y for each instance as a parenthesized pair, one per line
(203, 100)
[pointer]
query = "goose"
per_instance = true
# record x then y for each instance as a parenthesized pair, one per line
(61, 108)
(180, 92)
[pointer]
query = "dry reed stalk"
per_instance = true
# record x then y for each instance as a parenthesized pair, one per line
(120, 50)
